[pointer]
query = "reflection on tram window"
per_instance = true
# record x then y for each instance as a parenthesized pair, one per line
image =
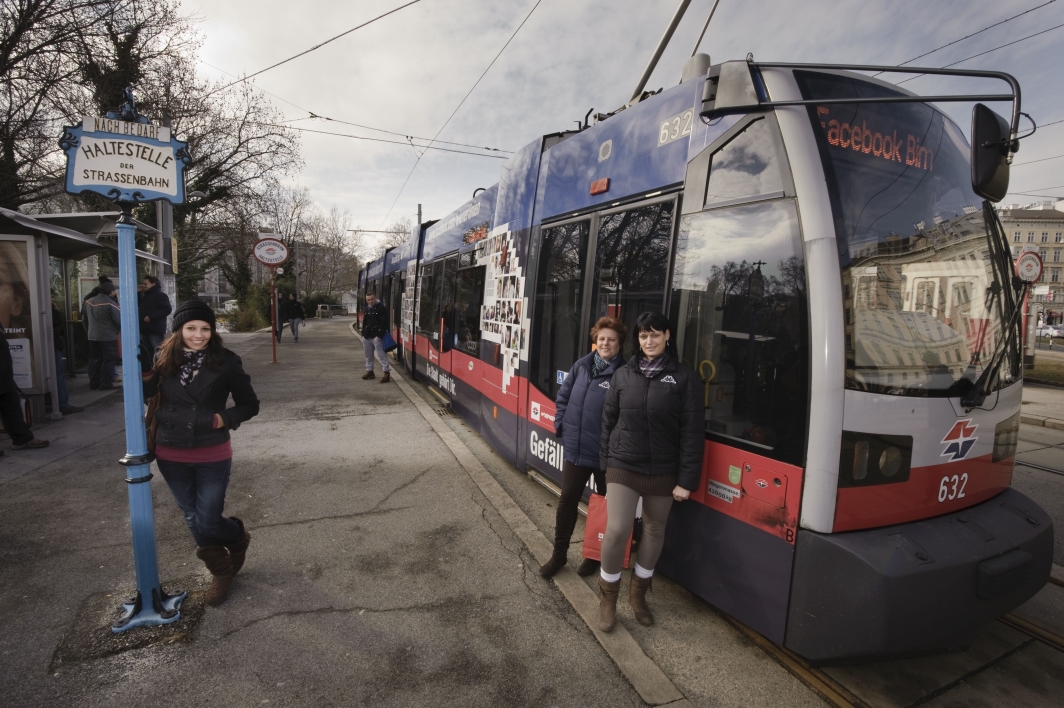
(631, 259)
(557, 340)
(747, 166)
(917, 272)
(740, 311)
(468, 298)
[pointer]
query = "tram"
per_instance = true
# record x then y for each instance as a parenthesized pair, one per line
(833, 268)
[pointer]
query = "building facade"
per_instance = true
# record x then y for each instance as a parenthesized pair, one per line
(1039, 227)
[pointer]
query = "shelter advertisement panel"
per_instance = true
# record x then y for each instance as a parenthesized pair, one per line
(18, 306)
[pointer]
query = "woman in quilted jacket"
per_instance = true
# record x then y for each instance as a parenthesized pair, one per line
(578, 422)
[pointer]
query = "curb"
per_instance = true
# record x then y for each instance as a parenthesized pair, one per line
(646, 677)
(1054, 423)
(1043, 382)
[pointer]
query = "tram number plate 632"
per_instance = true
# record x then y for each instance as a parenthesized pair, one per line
(952, 487)
(676, 127)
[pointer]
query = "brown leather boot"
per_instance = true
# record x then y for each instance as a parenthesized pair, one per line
(387, 377)
(556, 561)
(588, 566)
(637, 598)
(368, 375)
(238, 549)
(607, 611)
(217, 560)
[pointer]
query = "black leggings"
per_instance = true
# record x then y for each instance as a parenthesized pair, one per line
(574, 480)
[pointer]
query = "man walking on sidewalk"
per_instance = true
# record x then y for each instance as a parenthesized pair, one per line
(104, 320)
(294, 310)
(374, 326)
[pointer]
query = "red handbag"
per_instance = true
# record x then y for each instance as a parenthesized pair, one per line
(595, 530)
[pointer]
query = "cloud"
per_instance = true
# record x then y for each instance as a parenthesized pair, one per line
(407, 73)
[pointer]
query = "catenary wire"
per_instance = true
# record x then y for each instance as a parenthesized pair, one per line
(1031, 162)
(969, 36)
(377, 140)
(460, 104)
(312, 115)
(1008, 44)
(322, 44)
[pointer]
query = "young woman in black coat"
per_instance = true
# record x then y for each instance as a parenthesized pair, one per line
(196, 375)
(653, 438)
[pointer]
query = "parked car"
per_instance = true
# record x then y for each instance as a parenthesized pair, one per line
(1050, 331)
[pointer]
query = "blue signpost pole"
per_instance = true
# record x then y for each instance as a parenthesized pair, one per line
(124, 158)
(150, 606)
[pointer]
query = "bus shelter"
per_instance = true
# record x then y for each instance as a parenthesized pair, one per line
(38, 253)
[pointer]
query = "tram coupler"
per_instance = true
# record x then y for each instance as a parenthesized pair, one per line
(165, 609)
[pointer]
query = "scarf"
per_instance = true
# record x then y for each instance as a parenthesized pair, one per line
(598, 365)
(653, 367)
(193, 362)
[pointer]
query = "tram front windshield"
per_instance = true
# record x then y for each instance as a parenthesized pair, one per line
(917, 274)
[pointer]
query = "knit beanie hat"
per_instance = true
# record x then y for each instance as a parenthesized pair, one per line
(107, 287)
(192, 310)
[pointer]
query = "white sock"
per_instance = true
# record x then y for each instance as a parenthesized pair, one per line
(609, 577)
(642, 572)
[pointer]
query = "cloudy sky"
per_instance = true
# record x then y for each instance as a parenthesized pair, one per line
(408, 72)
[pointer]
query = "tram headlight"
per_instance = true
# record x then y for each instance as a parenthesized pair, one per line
(868, 459)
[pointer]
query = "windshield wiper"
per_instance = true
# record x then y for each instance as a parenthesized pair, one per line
(1008, 301)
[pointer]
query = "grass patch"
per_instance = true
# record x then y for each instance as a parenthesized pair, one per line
(1046, 369)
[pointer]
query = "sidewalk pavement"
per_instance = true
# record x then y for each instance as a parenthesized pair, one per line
(1043, 406)
(378, 573)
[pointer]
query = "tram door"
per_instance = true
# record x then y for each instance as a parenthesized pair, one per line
(631, 252)
(395, 309)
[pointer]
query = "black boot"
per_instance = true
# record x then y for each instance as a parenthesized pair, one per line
(564, 523)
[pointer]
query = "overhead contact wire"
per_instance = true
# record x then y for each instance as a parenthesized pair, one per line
(460, 104)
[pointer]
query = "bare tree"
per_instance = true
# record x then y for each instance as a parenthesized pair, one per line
(398, 232)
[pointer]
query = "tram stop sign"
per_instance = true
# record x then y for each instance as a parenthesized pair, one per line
(1029, 267)
(270, 251)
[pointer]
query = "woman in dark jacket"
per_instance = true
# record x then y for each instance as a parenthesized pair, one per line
(577, 421)
(196, 374)
(652, 442)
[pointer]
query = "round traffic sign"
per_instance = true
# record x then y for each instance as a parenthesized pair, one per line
(270, 252)
(1029, 267)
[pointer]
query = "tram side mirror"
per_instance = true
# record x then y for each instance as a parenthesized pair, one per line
(729, 89)
(990, 152)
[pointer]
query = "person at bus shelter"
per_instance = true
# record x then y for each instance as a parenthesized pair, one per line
(651, 447)
(294, 310)
(578, 422)
(154, 308)
(104, 319)
(194, 375)
(374, 326)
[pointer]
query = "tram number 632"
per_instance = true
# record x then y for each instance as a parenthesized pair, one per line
(952, 487)
(676, 127)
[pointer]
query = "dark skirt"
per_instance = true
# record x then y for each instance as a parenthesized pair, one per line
(647, 485)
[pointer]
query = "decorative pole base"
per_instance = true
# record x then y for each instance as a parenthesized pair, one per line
(164, 609)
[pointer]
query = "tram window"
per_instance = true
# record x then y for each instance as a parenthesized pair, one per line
(740, 313)
(907, 221)
(468, 298)
(426, 309)
(631, 260)
(747, 166)
(557, 341)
